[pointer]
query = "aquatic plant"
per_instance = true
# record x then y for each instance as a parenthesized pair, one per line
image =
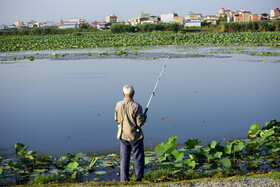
(168, 160)
(106, 39)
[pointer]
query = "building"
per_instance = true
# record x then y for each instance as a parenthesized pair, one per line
(143, 18)
(228, 13)
(167, 18)
(179, 19)
(275, 14)
(264, 17)
(47, 24)
(193, 23)
(111, 19)
(68, 26)
(4, 27)
(32, 24)
(193, 16)
(255, 17)
(211, 19)
(241, 16)
(19, 24)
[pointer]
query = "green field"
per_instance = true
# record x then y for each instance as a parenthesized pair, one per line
(108, 39)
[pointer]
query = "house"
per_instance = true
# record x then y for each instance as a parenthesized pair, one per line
(167, 18)
(3, 27)
(179, 19)
(47, 24)
(19, 24)
(255, 17)
(68, 26)
(275, 14)
(193, 16)
(32, 24)
(241, 16)
(102, 26)
(228, 13)
(111, 19)
(193, 23)
(143, 18)
(264, 17)
(211, 18)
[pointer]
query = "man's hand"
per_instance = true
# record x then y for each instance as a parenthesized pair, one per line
(145, 116)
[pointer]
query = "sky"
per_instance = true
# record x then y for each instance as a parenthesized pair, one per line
(97, 10)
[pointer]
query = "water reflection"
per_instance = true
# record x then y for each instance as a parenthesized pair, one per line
(67, 105)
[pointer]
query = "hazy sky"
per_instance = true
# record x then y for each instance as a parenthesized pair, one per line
(97, 10)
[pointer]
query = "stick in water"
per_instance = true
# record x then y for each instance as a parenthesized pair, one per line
(153, 93)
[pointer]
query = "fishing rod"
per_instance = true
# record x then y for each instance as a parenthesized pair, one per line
(153, 92)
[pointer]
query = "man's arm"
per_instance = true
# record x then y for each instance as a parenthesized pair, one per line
(140, 117)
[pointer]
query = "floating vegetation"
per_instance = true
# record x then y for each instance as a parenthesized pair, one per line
(167, 160)
(104, 39)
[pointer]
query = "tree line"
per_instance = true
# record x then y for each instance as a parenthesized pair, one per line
(261, 26)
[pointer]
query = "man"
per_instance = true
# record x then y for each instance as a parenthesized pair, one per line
(130, 114)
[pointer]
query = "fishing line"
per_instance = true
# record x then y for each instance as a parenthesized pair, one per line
(154, 90)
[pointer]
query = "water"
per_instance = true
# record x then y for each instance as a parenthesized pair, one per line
(57, 106)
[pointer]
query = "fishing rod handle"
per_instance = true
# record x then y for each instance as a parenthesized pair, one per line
(146, 110)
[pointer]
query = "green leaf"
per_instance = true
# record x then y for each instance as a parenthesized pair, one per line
(189, 163)
(252, 145)
(254, 130)
(227, 149)
(191, 143)
(1, 170)
(147, 160)
(218, 155)
(78, 155)
(166, 147)
(20, 148)
(93, 162)
(213, 144)
(266, 134)
(100, 172)
(239, 147)
(226, 162)
(178, 155)
(72, 165)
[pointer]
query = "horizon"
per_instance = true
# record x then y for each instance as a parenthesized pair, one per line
(55, 11)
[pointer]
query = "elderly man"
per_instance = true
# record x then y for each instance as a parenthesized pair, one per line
(129, 115)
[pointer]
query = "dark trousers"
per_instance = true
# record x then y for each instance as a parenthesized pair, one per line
(137, 148)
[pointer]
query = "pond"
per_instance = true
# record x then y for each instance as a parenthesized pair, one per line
(65, 103)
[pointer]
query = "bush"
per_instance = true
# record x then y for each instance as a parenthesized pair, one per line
(122, 28)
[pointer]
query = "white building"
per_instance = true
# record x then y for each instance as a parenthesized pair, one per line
(193, 23)
(68, 25)
(4, 27)
(167, 18)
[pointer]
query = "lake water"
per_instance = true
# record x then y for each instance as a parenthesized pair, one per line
(60, 105)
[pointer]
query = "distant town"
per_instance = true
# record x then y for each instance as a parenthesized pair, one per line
(190, 20)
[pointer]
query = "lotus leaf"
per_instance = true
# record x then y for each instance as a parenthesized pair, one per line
(191, 143)
(100, 172)
(226, 162)
(213, 144)
(189, 163)
(218, 155)
(227, 149)
(166, 147)
(72, 165)
(20, 149)
(93, 162)
(178, 155)
(254, 130)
